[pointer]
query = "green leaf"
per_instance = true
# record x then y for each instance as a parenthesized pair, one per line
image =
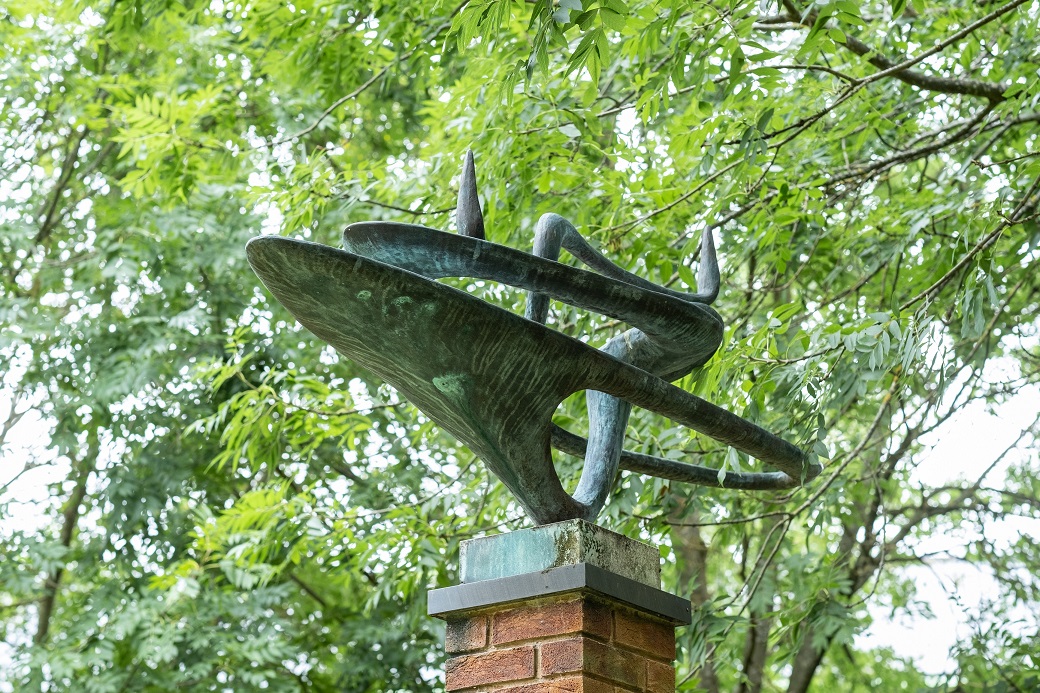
(612, 20)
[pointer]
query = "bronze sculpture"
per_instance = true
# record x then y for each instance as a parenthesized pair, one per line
(493, 379)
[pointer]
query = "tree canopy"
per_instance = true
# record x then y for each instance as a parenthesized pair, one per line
(242, 508)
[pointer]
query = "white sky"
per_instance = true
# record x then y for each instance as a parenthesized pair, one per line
(962, 449)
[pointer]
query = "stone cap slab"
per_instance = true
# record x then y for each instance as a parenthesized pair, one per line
(579, 578)
(556, 545)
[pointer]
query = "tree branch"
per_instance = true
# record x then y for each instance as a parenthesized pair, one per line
(70, 518)
(50, 214)
(994, 92)
(986, 242)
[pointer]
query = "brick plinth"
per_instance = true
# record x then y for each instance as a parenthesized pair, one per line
(568, 643)
(564, 608)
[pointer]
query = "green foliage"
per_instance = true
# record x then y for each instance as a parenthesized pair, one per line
(244, 509)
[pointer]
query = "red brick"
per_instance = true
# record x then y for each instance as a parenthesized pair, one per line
(620, 667)
(597, 620)
(577, 684)
(561, 656)
(654, 638)
(589, 656)
(594, 686)
(660, 677)
(466, 635)
(547, 620)
(498, 666)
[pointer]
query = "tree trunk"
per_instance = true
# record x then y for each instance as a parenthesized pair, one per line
(756, 652)
(805, 664)
(690, 544)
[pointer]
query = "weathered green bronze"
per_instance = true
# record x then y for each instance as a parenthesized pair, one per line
(493, 379)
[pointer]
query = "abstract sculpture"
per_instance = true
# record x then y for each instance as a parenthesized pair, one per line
(494, 379)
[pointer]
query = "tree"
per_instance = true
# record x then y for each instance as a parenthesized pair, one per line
(244, 508)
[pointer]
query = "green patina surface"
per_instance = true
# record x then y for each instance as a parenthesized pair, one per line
(552, 546)
(451, 385)
(493, 379)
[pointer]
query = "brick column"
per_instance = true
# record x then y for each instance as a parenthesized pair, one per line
(581, 624)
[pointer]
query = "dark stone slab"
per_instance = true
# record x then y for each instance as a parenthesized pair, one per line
(578, 578)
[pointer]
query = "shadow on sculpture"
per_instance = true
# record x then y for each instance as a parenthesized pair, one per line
(494, 379)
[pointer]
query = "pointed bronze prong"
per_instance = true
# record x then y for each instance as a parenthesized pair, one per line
(468, 216)
(708, 278)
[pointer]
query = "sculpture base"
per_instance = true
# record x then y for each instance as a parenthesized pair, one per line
(572, 626)
(555, 545)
